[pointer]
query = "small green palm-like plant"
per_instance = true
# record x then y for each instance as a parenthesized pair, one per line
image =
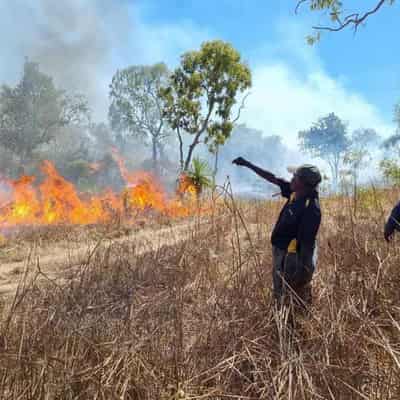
(199, 175)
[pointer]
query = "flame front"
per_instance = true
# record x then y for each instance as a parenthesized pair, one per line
(57, 201)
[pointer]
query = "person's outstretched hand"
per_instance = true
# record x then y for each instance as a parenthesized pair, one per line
(240, 161)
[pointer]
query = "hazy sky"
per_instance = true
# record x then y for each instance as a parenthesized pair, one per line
(82, 43)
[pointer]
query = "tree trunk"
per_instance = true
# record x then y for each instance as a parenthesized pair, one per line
(180, 149)
(189, 157)
(333, 169)
(154, 155)
(190, 152)
(23, 160)
(216, 159)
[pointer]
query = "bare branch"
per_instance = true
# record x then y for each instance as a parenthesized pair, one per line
(241, 107)
(352, 19)
(299, 3)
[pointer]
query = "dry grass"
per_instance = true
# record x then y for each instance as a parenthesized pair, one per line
(195, 319)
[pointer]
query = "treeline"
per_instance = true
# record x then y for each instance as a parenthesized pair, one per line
(161, 120)
(157, 118)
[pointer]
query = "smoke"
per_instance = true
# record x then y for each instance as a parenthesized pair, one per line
(264, 150)
(81, 43)
(72, 41)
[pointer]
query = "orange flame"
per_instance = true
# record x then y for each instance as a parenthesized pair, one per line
(186, 186)
(57, 201)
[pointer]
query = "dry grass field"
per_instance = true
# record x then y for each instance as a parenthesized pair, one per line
(184, 310)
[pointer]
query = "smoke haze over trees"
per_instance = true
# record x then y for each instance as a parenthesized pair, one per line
(267, 151)
(78, 47)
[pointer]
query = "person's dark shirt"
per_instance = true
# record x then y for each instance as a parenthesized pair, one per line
(393, 222)
(299, 219)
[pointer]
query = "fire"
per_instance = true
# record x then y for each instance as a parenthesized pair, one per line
(186, 186)
(57, 201)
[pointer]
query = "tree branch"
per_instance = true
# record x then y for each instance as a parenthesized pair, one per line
(198, 134)
(353, 19)
(299, 3)
(241, 107)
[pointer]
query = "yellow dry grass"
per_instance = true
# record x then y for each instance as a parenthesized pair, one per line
(193, 317)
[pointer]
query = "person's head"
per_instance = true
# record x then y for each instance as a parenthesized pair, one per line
(305, 179)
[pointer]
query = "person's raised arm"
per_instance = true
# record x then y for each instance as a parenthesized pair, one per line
(270, 177)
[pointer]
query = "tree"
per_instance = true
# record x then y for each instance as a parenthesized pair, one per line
(356, 159)
(327, 139)
(340, 18)
(136, 106)
(32, 112)
(389, 166)
(359, 152)
(201, 94)
(391, 170)
(365, 139)
(199, 175)
(392, 143)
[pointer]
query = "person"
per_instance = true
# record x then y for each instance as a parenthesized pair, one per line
(294, 235)
(392, 223)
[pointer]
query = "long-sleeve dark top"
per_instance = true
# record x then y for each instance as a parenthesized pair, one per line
(299, 219)
(393, 222)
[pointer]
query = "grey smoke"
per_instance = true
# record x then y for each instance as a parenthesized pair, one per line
(81, 43)
(76, 41)
(266, 151)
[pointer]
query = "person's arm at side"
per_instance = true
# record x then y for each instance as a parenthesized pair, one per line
(307, 234)
(393, 223)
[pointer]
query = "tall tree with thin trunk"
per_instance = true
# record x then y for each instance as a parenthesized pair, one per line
(327, 139)
(136, 106)
(200, 96)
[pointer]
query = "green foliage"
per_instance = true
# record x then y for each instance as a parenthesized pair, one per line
(136, 107)
(200, 175)
(334, 5)
(327, 139)
(390, 170)
(32, 112)
(201, 94)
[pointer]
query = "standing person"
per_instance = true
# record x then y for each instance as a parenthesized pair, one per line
(294, 236)
(392, 223)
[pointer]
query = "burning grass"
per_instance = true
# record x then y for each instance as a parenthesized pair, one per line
(194, 319)
(57, 201)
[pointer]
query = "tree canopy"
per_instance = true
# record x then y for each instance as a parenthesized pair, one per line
(136, 106)
(32, 112)
(327, 139)
(201, 94)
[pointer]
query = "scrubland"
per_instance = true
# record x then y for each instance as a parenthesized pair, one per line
(183, 309)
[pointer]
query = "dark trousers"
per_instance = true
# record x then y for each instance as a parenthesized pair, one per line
(290, 277)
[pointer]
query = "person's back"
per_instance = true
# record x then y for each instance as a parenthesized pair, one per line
(294, 235)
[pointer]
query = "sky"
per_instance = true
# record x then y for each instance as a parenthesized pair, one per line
(82, 42)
